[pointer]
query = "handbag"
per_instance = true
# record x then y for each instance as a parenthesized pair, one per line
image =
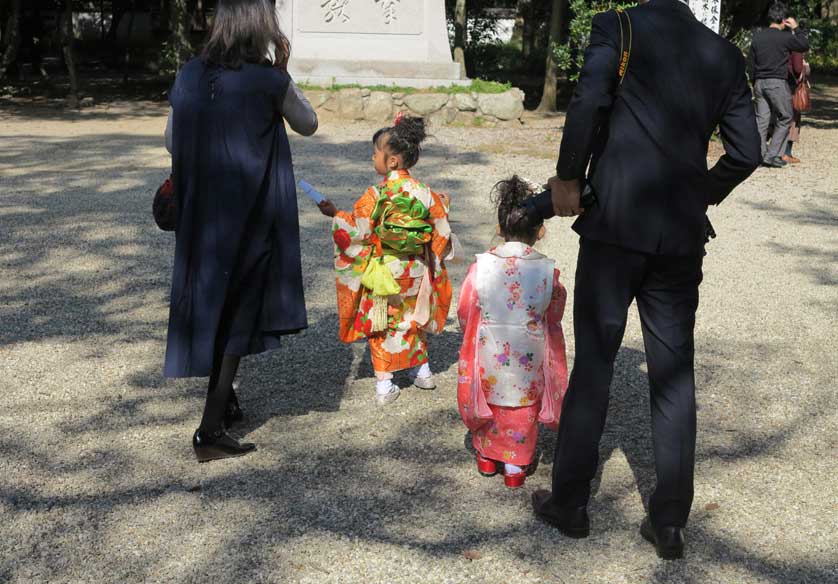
(801, 100)
(164, 207)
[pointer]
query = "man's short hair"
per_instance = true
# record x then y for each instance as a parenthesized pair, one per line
(777, 13)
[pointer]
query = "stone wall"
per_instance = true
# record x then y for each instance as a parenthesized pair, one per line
(439, 108)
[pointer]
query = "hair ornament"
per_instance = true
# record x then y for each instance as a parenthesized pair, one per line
(399, 118)
(534, 186)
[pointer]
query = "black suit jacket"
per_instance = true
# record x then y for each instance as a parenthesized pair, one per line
(647, 141)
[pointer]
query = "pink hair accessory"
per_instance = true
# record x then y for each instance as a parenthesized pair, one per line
(399, 118)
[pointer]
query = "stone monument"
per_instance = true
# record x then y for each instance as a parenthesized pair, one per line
(707, 11)
(369, 42)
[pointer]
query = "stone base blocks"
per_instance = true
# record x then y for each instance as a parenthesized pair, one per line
(478, 109)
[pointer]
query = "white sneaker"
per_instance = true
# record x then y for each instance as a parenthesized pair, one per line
(424, 382)
(384, 399)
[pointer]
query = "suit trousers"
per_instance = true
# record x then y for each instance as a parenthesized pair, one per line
(772, 96)
(608, 278)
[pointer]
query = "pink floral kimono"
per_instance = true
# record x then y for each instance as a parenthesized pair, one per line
(513, 367)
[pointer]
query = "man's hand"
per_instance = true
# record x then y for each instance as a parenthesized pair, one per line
(790, 23)
(327, 208)
(565, 195)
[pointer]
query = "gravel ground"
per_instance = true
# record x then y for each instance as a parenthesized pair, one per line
(97, 476)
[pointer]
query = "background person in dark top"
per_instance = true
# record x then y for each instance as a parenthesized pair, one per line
(769, 57)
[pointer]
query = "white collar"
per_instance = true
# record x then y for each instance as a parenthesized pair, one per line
(516, 249)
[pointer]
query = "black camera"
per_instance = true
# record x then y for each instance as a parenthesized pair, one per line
(540, 206)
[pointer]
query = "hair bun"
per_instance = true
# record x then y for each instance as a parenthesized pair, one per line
(405, 138)
(509, 197)
(411, 129)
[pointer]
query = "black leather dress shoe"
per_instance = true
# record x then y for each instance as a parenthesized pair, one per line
(668, 540)
(775, 162)
(571, 522)
(218, 445)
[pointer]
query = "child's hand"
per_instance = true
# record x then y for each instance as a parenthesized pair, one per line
(327, 208)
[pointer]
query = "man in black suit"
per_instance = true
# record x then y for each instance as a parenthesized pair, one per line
(646, 139)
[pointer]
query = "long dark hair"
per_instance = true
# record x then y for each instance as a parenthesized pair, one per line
(244, 31)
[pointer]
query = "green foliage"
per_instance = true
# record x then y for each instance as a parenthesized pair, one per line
(500, 60)
(823, 56)
(741, 39)
(168, 59)
(570, 56)
(476, 86)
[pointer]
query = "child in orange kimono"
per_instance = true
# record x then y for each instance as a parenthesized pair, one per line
(392, 285)
(513, 368)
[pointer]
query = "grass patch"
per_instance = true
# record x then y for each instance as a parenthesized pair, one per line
(476, 86)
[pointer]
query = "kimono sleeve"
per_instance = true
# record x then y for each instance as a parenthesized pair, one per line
(555, 363)
(471, 401)
(351, 233)
(439, 219)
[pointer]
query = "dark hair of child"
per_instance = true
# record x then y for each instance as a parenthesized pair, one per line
(509, 196)
(403, 139)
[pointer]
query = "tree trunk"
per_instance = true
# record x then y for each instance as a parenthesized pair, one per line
(528, 29)
(12, 38)
(548, 98)
(518, 28)
(67, 38)
(179, 22)
(129, 31)
(460, 24)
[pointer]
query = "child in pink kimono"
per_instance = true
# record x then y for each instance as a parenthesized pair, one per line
(513, 368)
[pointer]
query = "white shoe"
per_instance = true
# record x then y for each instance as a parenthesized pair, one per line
(384, 399)
(424, 382)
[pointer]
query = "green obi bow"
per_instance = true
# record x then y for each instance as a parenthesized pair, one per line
(402, 224)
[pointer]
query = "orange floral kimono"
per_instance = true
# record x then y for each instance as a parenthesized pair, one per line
(513, 367)
(422, 298)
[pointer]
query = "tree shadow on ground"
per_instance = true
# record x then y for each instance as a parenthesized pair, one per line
(819, 263)
(824, 113)
(139, 508)
(56, 205)
(398, 490)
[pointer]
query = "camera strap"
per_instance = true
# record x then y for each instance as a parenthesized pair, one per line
(625, 43)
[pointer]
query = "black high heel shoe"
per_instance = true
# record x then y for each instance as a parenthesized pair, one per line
(233, 413)
(217, 445)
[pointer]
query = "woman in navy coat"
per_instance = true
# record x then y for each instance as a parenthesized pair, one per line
(237, 283)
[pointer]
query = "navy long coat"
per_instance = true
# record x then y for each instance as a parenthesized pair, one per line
(237, 281)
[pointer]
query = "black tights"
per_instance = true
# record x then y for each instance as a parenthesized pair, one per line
(219, 392)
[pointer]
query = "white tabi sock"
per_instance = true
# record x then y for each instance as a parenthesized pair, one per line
(423, 371)
(383, 387)
(512, 469)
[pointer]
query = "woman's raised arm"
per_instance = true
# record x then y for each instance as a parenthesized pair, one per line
(297, 110)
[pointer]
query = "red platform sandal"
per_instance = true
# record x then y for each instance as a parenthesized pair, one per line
(486, 467)
(515, 480)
